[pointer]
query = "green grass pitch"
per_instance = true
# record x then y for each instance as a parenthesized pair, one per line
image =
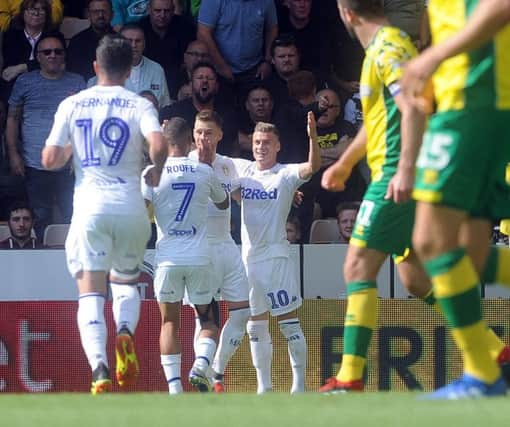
(248, 410)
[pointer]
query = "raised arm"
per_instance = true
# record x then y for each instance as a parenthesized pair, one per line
(307, 169)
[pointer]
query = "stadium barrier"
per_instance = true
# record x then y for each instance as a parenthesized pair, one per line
(40, 349)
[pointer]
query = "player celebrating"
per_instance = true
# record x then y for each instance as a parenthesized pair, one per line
(228, 273)
(266, 189)
(391, 137)
(104, 128)
(471, 90)
(182, 251)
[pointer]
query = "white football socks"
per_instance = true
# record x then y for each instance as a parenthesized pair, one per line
(125, 306)
(171, 364)
(230, 339)
(92, 327)
(261, 348)
(205, 349)
(291, 330)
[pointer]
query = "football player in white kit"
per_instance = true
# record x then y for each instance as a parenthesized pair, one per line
(267, 190)
(228, 273)
(182, 257)
(104, 128)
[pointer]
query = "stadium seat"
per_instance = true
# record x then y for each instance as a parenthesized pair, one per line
(55, 235)
(71, 26)
(324, 231)
(4, 232)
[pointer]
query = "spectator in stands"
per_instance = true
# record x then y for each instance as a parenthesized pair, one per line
(166, 37)
(285, 60)
(145, 73)
(291, 119)
(258, 108)
(196, 52)
(293, 229)
(408, 15)
(27, 27)
(334, 136)
(315, 39)
(239, 36)
(9, 9)
(128, 12)
(346, 218)
(20, 222)
(81, 52)
(204, 87)
(32, 104)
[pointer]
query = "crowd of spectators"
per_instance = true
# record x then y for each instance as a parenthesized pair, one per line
(250, 61)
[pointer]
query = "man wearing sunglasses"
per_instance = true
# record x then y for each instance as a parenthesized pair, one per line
(32, 104)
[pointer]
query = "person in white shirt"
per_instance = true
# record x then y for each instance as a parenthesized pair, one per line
(266, 189)
(146, 74)
(228, 273)
(182, 257)
(104, 129)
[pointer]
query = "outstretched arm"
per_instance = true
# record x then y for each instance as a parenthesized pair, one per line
(307, 169)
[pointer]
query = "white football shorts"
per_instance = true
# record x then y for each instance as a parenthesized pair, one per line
(230, 282)
(110, 243)
(274, 286)
(170, 282)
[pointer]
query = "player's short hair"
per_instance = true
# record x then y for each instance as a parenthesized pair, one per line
(177, 131)
(210, 116)
(266, 128)
(364, 7)
(347, 206)
(114, 55)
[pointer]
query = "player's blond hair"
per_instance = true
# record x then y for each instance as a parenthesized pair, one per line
(264, 127)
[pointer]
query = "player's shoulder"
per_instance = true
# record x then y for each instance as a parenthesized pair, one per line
(390, 41)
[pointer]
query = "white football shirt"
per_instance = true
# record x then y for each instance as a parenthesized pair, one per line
(266, 199)
(218, 221)
(180, 204)
(106, 126)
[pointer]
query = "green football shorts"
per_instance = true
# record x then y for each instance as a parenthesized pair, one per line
(382, 224)
(462, 162)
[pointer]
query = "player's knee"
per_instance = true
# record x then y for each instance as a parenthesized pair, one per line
(239, 318)
(208, 315)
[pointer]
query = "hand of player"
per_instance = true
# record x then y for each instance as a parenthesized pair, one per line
(205, 152)
(311, 126)
(416, 80)
(152, 176)
(401, 185)
(334, 177)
